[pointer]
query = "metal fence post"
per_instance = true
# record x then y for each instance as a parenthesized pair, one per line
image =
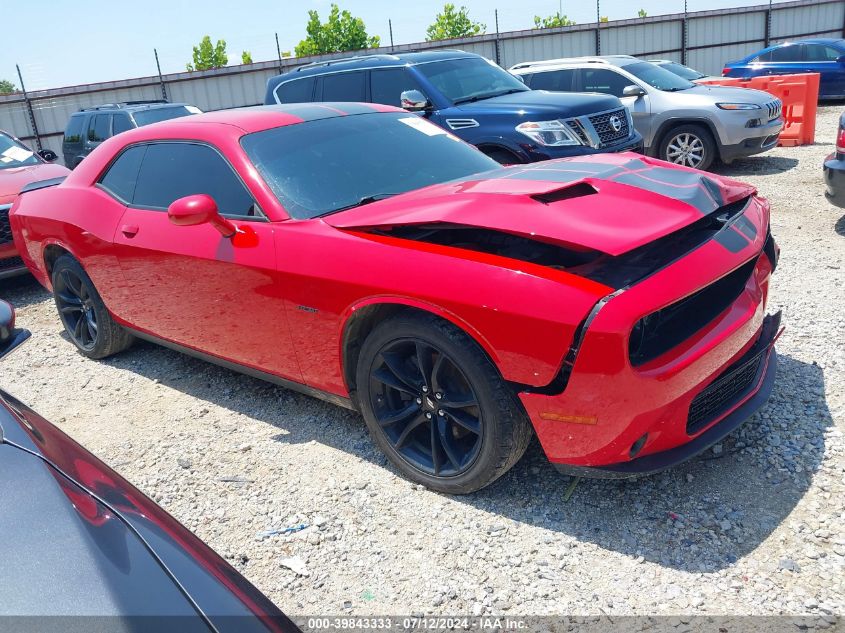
(768, 37)
(598, 28)
(160, 78)
(30, 111)
(498, 48)
(390, 26)
(279, 53)
(684, 35)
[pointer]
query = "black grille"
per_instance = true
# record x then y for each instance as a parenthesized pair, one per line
(724, 392)
(604, 128)
(660, 331)
(773, 109)
(578, 129)
(11, 263)
(5, 229)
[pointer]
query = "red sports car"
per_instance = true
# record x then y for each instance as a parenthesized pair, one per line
(19, 166)
(615, 306)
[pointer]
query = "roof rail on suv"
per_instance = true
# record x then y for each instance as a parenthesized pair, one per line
(587, 59)
(329, 62)
(123, 104)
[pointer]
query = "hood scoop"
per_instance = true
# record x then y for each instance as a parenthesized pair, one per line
(578, 190)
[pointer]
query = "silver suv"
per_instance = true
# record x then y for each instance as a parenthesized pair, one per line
(681, 122)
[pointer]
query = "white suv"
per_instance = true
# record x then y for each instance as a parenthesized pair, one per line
(681, 122)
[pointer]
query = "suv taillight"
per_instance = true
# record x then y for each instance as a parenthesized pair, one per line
(840, 140)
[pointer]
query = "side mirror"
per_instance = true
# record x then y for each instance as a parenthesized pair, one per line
(48, 155)
(414, 101)
(10, 338)
(632, 91)
(199, 209)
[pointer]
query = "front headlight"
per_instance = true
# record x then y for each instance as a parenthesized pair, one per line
(738, 106)
(548, 133)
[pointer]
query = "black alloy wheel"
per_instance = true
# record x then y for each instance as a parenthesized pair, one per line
(76, 309)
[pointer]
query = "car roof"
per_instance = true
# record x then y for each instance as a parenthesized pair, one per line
(132, 106)
(373, 61)
(607, 60)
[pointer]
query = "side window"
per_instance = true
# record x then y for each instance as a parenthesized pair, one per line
(297, 91)
(99, 128)
(387, 85)
(790, 53)
(73, 133)
(344, 87)
(820, 53)
(605, 81)
(121, 123)
(763, 58)
(557, 80)
(121, 177)
(170, 171)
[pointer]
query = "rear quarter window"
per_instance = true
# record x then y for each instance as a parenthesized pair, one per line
(348, 86)
(120, 178)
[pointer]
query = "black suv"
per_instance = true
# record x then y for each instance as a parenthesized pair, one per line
(91, 126)
(474, 98)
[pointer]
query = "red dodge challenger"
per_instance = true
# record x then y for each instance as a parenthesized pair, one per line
(613, 305)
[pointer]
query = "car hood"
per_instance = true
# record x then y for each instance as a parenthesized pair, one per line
(730, 94)
(13, 179)
(546, 104)
(612, 203)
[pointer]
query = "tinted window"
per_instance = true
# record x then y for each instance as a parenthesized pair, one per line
(13, 154)
(121, 123)
(154, 115)
(171, 171)
(99, 128)
(387, 85)
(820, 53)
(604, 81)
(73, 133)
(658, 77)
(121, 176)
(560, 80)
(787, 54)
(344, 87)
(298, 91)
(318, 167)
(470, 79)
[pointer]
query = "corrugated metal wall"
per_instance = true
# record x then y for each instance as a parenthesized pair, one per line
(713, 37)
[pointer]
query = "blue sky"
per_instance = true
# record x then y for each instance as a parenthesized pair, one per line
(64, 42)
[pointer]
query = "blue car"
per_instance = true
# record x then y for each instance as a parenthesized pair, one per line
(473, 98)
(823, 56)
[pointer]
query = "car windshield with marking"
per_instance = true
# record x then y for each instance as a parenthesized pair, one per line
(321, 167)
(658, 77)
(470, 79)
(13, 154)
(154, 115)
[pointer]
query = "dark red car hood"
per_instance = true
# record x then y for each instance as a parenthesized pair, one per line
(13, 179)
(611, 203)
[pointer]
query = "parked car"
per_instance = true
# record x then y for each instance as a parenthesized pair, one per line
(357, 252)
(681, 122)
(91, 126)
(834, 168)
(80, 540)
(19, 166)
(684, 72)
(823, 56)
(473, 98)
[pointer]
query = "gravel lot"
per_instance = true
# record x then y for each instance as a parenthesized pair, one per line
(757, 526)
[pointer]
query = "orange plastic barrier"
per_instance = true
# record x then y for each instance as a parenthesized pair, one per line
(799, 95)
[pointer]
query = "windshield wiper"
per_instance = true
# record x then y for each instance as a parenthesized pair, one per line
(375, 197)
(488, 96)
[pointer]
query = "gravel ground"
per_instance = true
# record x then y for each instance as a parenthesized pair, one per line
(756, 526)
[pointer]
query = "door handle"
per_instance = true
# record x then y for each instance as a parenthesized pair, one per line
(129, 230)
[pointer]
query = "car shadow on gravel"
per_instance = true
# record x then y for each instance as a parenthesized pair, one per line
(22, 291)
(700, 517)
(839, 227)
(756, 166)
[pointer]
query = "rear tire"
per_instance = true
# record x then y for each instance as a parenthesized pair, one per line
(689, 145)
(437, 406)
(84, 316)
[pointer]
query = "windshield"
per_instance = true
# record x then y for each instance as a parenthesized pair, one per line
(682, 71)
(658, 77)
(154, 115)
(13, 154)
(470, 79)
(318, 167)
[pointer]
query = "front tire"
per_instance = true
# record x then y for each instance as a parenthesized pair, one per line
(688, 145)
(437, 406)
(84, 316)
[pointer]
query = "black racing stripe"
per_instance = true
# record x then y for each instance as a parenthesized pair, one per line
(350, 108)
(746, 226)
(687, 187)
(312, 111)
(549, 175)
(731, 239)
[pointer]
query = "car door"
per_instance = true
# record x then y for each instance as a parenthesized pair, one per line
(562, 80)
(822, 59)
(99, 129)
(190, 284)
(345, 86)
(784, 60)
(611, 82)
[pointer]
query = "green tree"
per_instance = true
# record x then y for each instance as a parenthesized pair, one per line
(453, 23)
(553, 20)
(341, 32)
(7, 87)
(603, 19)
(642, 13)
(208, 55)
(246, 57)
